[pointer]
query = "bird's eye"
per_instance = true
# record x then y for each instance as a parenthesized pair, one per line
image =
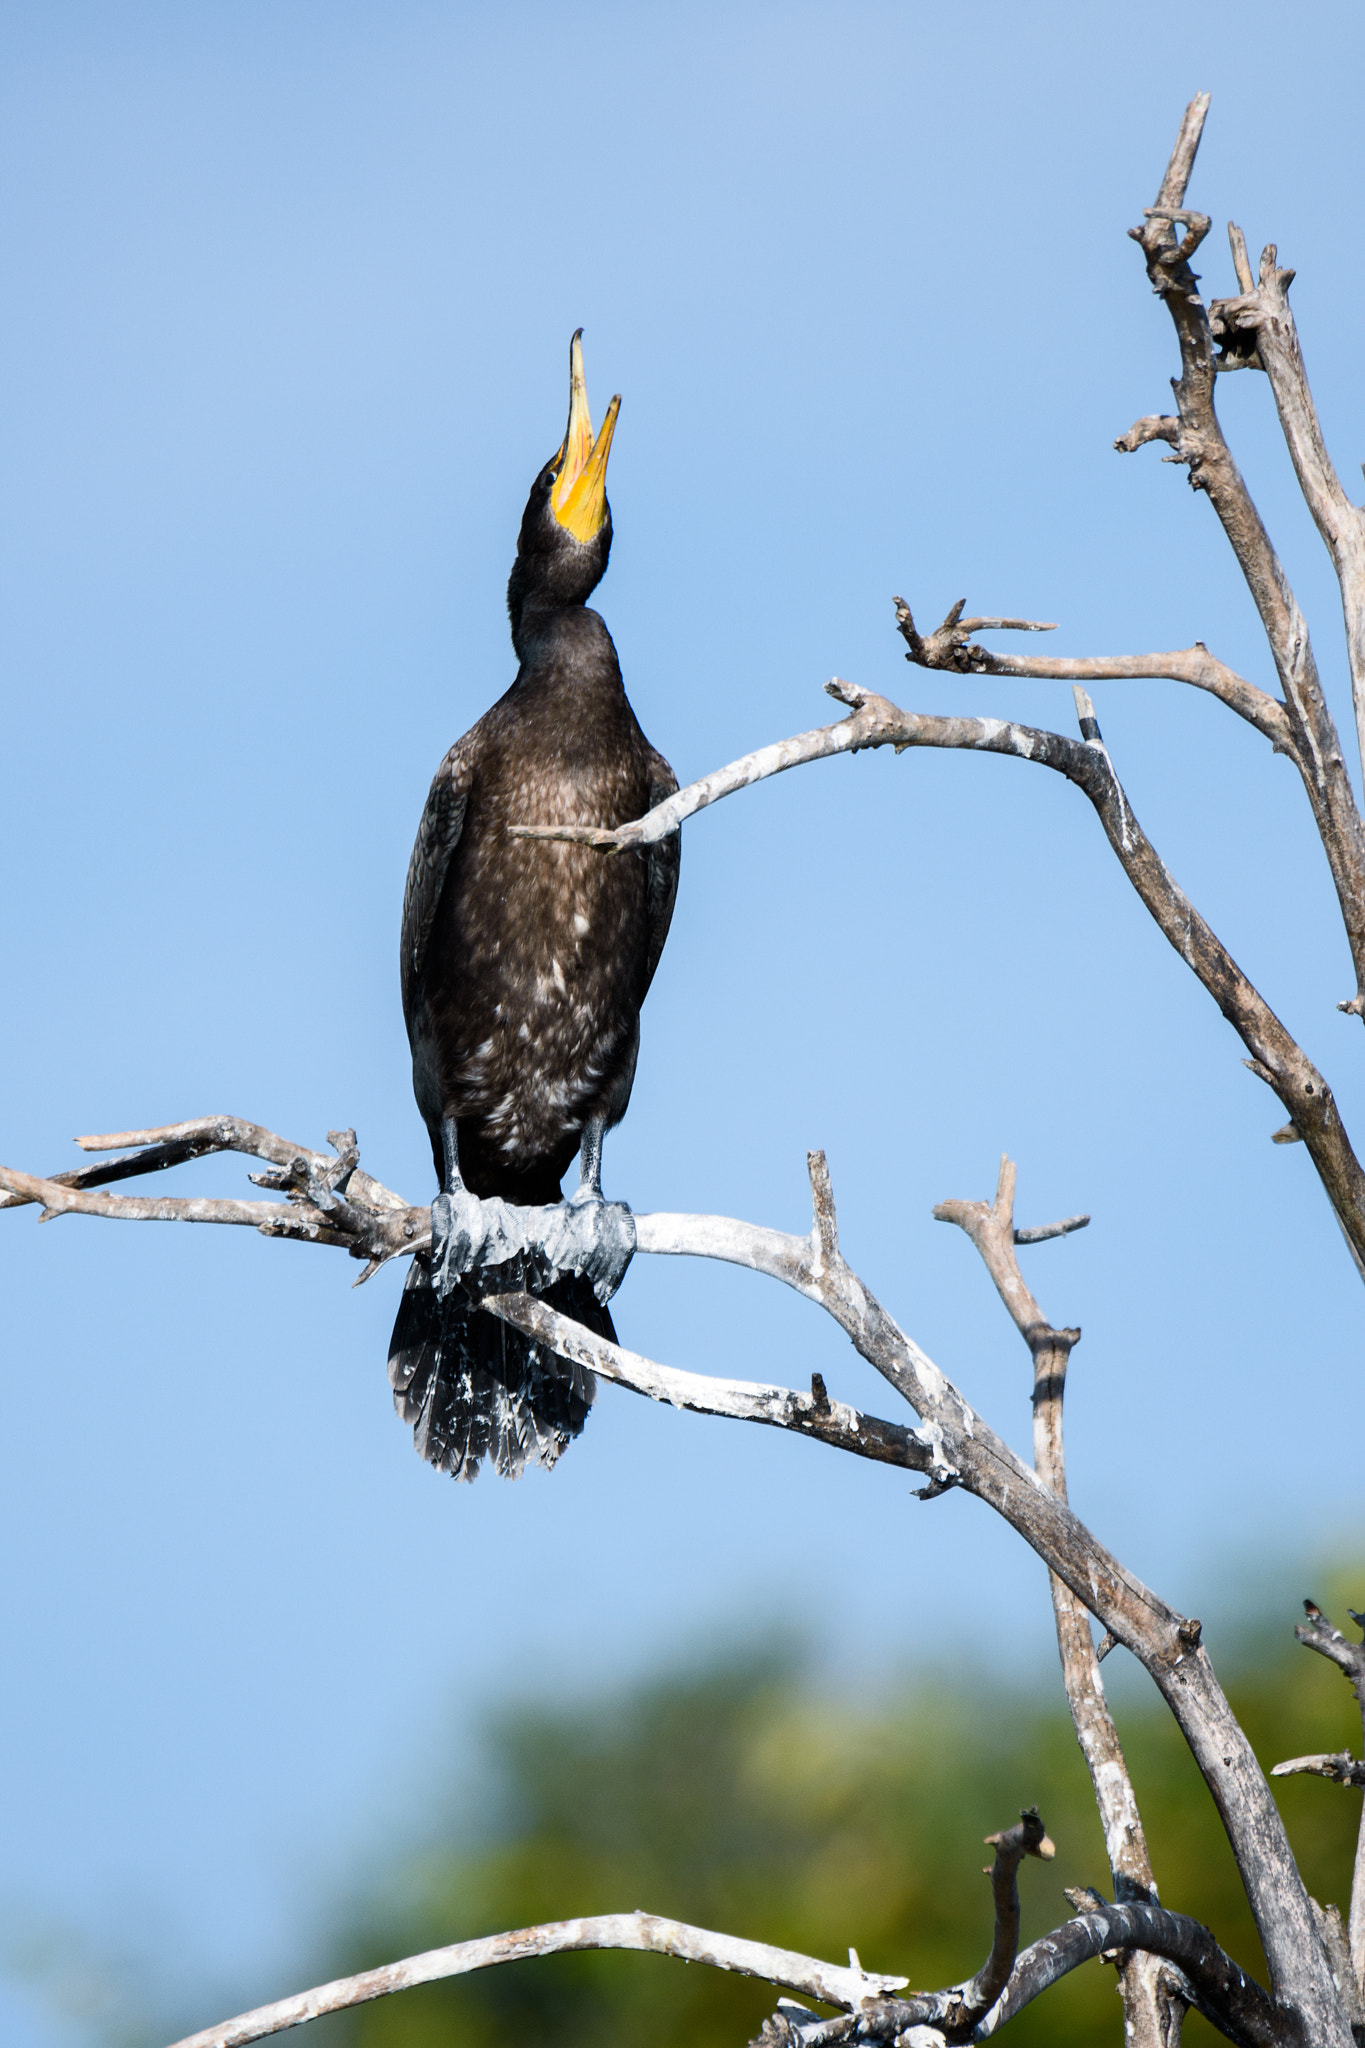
(550, 475)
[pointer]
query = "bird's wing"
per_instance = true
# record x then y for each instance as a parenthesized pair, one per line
(438, 834)
(662, 859)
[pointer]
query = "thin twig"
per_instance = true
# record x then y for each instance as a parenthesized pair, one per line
(1027, 1837)
(1339, 1764)
(1040, 1233)
(951, 648)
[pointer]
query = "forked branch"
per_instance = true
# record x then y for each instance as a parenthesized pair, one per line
(1148, 1995)
(327, 1200)
(1195, 437)
(1319, 1634)
(1258, 326)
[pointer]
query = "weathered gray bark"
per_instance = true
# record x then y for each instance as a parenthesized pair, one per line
(1153, 2000)
(1318, 1634)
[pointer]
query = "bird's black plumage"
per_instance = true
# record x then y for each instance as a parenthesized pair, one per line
(524, 964)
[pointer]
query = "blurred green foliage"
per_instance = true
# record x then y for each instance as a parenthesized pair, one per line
(754, 1798)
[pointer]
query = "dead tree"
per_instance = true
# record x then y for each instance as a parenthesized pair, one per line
(1168, 1962)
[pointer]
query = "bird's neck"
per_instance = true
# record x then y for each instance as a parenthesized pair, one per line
(564, 645)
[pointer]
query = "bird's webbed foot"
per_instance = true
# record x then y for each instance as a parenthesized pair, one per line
(459, 1237)
(514, 1247)
(464, 1229)
(591, 1235)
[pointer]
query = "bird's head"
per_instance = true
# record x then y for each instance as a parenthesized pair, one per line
(565, 534)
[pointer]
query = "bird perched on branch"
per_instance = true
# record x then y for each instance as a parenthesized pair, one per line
(524, 965)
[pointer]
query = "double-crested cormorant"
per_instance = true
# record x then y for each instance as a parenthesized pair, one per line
(524, 965)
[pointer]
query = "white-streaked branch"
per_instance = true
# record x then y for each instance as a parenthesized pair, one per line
(813, 1414)
(647, 1932)
(875, 723)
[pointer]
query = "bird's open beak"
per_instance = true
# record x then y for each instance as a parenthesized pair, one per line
(578, 496)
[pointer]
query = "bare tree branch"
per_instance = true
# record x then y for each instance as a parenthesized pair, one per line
(1234, 2002)
(1217, 1986)
(957, 2011)
(176, 1144)
(951, 648)
(991, 1230)
(1319, 1634)
(870, 2010)
(1147, 1996)
(1026, 1838)
(330, 1200)
(1040, 1233)
(1196, 439)
(958, 1448)
(967, 1452)
(1260, 319)
(1275, 1056)
(813, 1415)
(1340, 1764)
(874, 723)
(646, 1932)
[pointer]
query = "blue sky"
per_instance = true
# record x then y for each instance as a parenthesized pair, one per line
(289, 291)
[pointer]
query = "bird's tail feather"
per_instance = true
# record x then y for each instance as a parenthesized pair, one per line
(474, 1388)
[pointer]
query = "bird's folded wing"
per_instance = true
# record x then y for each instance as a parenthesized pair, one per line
(664, 858)
(438, 834)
